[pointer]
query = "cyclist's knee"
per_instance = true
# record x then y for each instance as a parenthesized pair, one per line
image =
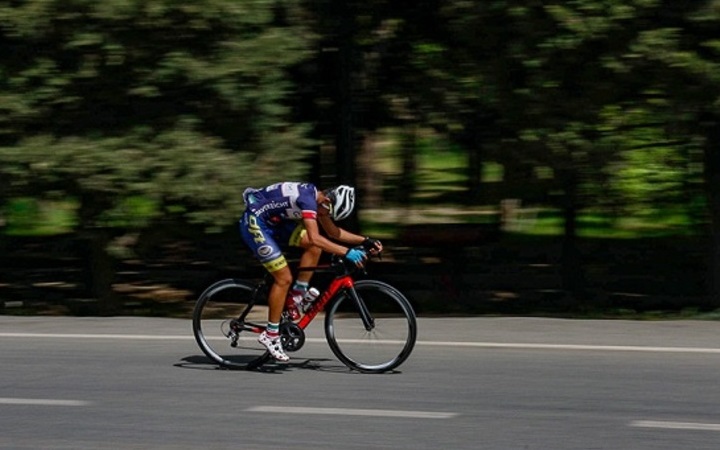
(313, 250)
(283, 277)
(308, 246)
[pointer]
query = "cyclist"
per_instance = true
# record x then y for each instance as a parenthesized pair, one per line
(288, 213)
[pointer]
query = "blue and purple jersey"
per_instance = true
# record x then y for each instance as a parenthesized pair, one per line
(283, 201)
(273, 218)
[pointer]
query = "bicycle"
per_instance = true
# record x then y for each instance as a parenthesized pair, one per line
(369, 325)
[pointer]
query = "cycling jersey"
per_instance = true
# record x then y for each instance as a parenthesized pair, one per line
(281, 201)
(273, 217)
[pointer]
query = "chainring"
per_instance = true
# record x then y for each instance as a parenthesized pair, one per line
(291, 336)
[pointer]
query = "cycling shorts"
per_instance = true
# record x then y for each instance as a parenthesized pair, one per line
(265, 239)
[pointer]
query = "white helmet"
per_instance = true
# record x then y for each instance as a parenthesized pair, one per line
(342, 201)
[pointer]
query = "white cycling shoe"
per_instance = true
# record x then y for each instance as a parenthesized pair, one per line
(274, 346)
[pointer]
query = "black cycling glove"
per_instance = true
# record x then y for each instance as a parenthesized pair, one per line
(371, 244)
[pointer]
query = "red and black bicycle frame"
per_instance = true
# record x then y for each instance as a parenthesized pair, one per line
(341, 285)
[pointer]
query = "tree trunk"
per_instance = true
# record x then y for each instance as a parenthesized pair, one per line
(573, 277)
(369, 180)
(712, 184)
(474, 171)
(100, 272)
(345, 156)
(408, 177)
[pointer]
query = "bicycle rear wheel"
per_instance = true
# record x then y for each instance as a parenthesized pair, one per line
(226, 323)
(382, 342)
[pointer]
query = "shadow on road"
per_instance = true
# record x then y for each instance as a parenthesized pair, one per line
(199, 362)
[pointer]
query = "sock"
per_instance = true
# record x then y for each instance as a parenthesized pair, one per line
(298, 290)
(301, 286)
(273, 329)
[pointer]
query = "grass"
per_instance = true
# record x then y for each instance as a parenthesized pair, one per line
(440, 198)
(31, 217)
(549, 222)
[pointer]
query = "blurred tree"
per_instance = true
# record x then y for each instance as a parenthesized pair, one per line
(679, 58)
(544, 84)
(579, 89)
(548, 85)
(435, 73)
(557, 85)
(346, 89)
(470, 68)
(652, 174)
(394, 64)
(172, 106)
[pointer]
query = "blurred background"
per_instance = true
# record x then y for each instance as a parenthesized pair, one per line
(516, 157)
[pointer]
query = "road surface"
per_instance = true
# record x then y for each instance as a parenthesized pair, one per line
(471, 383)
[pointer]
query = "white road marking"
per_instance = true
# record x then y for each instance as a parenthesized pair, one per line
(130, 337)
(675, 425)
(610, 348)
(42, 402)
(353, 412)
(459, 344)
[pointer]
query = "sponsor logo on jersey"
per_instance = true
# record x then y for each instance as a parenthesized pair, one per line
(255, 230)
(272, 205)
(265, 250)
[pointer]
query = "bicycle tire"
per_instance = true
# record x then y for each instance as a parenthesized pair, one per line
(227, 307)
(388, 344)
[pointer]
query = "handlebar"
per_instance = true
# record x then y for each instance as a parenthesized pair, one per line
(339, 265)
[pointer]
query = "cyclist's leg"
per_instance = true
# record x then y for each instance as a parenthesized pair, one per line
(260, 239)
(311, 254)
(278, 293)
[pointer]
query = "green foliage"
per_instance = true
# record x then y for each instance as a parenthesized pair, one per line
(651, 169)
(132, 179)
(30, 217)
(132, 114)
(142, 110)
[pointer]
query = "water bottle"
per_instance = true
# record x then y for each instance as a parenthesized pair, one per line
(310, 296)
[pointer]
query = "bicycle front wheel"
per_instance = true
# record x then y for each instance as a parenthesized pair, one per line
(226, 323)
(373, 331)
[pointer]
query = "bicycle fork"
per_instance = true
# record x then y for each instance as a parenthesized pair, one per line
(367, 319)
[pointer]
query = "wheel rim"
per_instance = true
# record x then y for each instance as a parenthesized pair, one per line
(384, 347)
(220, 335)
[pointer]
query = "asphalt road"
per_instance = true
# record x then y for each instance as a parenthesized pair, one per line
(477, 383)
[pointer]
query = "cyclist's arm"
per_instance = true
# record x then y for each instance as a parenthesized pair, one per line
(339, 234)
(345, 236)
(316, 239)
